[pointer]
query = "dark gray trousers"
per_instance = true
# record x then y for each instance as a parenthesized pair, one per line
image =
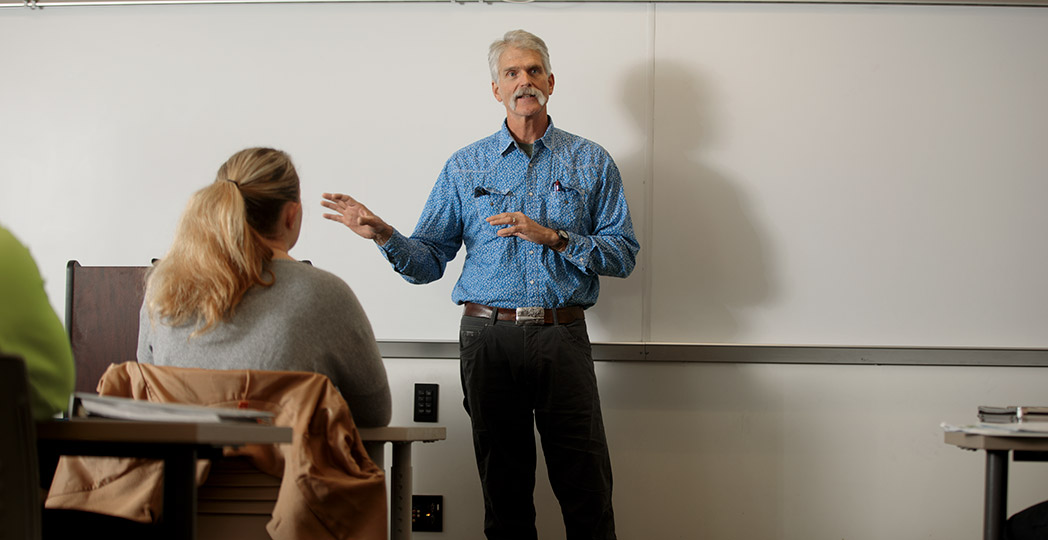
(1030, 524)
(517, 378)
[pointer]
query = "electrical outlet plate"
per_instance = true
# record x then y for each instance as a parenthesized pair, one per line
(426, 398)
(427, 513)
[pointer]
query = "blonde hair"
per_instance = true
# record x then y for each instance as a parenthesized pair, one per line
(218, 252)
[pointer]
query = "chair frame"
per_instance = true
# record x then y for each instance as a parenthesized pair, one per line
(20, 507)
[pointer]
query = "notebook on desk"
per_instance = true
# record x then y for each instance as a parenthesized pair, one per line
(84, 404)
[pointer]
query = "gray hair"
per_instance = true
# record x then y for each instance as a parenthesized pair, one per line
(521, 40)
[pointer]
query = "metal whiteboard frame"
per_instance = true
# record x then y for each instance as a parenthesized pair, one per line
(763, 354)
(40, 4)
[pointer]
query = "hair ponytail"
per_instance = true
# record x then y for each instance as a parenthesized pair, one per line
(219, 250)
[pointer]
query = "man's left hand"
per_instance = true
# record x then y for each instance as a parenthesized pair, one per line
(519, 225)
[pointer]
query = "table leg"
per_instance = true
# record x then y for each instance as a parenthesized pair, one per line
(400, 487)
(377, 452)
(180, 501)
(996, 494)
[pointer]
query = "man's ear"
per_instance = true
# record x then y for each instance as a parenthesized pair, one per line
(495, 90)
(551, 84)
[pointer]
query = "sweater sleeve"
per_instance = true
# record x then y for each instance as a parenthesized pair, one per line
(358, 370)
(29, 328)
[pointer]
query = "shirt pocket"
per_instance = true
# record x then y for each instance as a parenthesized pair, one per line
(566, 207)
(488, 201)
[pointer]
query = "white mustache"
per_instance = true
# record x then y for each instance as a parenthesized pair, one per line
(528, 91)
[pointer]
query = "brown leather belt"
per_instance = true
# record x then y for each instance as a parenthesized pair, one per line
(565, 315)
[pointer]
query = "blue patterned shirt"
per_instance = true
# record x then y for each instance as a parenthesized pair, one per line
(569, 183)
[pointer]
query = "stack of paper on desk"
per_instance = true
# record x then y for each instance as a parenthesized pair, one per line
(86, 404)
(1015, 429)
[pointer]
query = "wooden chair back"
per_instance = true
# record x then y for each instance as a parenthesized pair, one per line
(102, 305)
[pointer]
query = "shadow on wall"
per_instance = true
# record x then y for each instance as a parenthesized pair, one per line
(705, 439)
(708, 261)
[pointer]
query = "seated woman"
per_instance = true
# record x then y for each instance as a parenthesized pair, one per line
(228, 296)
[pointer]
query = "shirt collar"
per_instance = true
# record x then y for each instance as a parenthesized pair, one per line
(506, 143)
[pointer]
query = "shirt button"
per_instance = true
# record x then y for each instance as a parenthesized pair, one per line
(532, 282)
(531, 252)
(530, 194)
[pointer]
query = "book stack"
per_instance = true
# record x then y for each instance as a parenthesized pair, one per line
(1008, 421)
(1013, 413)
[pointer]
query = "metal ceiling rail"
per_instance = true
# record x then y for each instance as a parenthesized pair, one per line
(42, 4)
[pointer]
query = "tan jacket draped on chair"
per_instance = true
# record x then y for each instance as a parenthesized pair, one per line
(330, 488)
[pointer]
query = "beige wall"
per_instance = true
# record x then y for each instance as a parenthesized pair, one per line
(744, 451)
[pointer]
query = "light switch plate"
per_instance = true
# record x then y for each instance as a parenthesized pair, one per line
(426, 399)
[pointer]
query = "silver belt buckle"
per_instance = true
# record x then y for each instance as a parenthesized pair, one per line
(530, 315)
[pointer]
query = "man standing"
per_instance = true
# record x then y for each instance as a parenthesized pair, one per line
(542, 213)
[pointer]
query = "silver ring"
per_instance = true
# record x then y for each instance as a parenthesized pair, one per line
(514, 219)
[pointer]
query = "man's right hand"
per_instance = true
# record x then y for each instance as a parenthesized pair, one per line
(357, 217)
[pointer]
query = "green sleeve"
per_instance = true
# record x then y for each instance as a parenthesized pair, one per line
(29, 328)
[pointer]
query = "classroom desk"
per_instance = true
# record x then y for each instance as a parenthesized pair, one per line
(997, 449)
(400, 472)
(178, 444)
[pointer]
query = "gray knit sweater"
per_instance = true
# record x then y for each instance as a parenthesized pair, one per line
(308, 320)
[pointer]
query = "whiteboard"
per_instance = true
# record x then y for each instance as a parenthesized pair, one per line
(798, 174)
(850, 176)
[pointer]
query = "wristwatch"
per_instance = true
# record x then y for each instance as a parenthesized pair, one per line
(564, 239)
